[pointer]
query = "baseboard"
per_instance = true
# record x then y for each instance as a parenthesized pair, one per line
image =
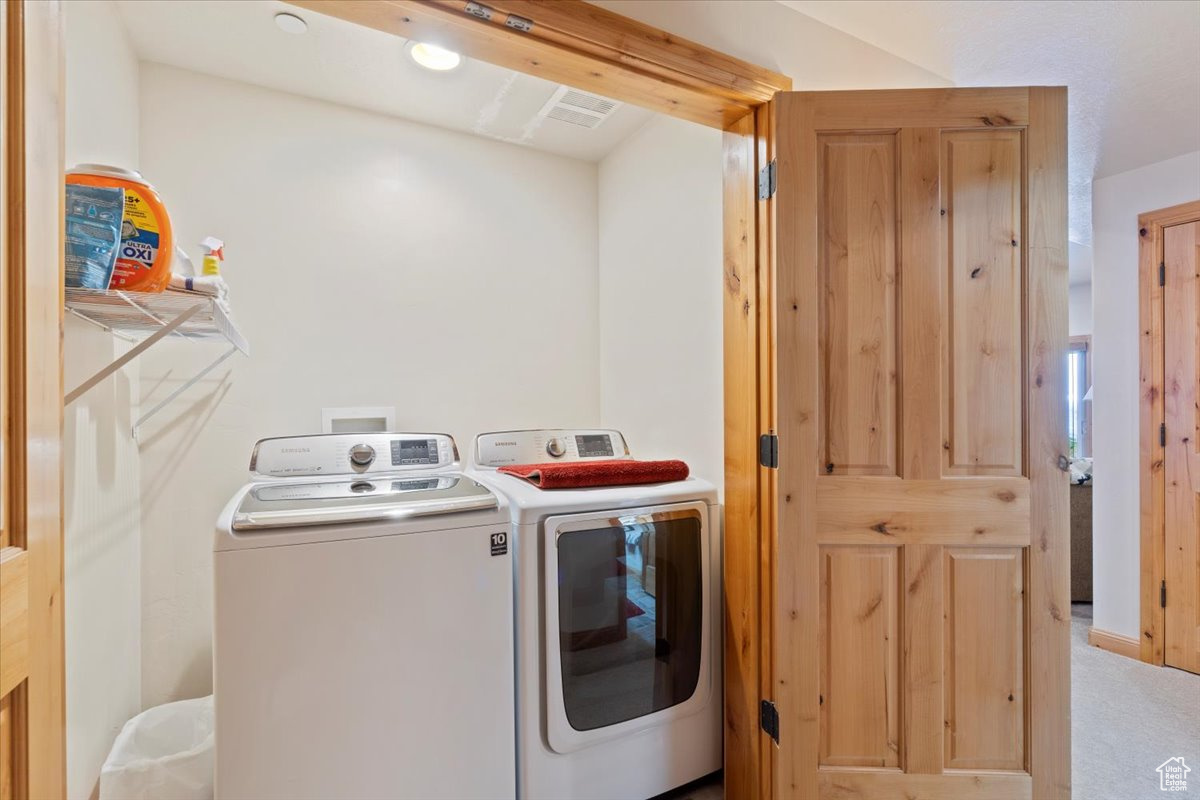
(1115, 643)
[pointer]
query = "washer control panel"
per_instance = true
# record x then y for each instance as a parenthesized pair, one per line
(352, 454)
(548, 445)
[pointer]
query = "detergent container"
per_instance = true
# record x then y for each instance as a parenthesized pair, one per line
(144, 261)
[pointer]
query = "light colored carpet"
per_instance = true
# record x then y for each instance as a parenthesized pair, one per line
(1127, 718)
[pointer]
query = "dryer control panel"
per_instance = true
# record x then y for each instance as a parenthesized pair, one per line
(352, 454)
(548, 445)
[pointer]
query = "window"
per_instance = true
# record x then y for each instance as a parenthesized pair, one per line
(1079, 401)
(630, 619)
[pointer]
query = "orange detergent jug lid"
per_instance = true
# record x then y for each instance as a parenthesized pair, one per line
(106, 171)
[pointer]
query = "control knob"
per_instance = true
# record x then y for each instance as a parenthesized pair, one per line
(555, 448)
(361, 455)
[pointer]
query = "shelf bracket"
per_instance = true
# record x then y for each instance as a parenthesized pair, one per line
(132, 353)
(192, 382)
(124, 336)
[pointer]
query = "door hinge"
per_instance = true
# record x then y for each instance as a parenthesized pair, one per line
(769, 720)
(768, 450)
(519, 23)
(1162, 594)
(767, 181)
(1162, 434)
(478, 10)
(1162, 273)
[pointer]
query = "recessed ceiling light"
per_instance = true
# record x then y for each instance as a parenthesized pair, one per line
(290, 23)
(430, 56)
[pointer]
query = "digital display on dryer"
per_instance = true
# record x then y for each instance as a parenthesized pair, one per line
(410, 452)
(592, 446)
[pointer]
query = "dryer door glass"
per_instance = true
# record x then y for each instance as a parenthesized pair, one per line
(630, 617)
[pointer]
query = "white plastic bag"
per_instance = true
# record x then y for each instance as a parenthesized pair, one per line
(164, 753)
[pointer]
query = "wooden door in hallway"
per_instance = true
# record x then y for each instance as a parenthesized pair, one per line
(921, 624)
(1181, 397)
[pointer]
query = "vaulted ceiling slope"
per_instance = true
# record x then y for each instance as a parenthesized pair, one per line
(1132, 68)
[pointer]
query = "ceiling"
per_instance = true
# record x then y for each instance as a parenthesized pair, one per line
(1132, 68)
(363, 68)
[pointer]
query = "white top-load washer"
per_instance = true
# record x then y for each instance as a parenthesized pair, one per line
(364, 631)
(618, 624)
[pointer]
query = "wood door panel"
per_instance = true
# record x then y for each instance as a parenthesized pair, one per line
(985, 658)
(14, 617)
(924, 667)
(860, 673)
(921, 238)
(1048, 559)
(858, 305)
(845, 784)
(9, 728)
(983, 511)
(921, 288)
(1181, 406)
(982, 190)
(918, 108)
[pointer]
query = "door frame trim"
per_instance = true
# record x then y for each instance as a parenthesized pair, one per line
(580, 44)
(35, 743)
(1152, 414)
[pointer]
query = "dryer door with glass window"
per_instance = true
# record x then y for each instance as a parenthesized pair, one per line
(627, 612)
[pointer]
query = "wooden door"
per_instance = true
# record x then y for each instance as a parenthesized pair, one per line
(921, 626)
(32, 725)
(1181, 362)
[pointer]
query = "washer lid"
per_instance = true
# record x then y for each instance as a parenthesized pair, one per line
(366, 499)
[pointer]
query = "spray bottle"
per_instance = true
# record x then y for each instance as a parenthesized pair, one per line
(209, 281)
(214, 254)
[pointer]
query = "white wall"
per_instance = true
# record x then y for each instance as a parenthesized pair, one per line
(1082, 263)
(102, 599)
(103, 596)
(1116, 203)
(1079, 312)
(372, 261)
(660, 294)
(813, 54)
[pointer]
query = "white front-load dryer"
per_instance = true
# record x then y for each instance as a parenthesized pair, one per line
(363, 631)
(618, 623)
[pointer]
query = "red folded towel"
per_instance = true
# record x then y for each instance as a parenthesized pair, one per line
(598, 473)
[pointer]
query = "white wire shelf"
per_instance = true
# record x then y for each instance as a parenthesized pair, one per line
(145, 318)
(137, 315)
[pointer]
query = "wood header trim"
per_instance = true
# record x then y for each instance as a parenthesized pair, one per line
(583, 46)
(1173, 215)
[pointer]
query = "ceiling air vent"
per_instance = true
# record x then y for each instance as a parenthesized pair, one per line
(578, 108)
